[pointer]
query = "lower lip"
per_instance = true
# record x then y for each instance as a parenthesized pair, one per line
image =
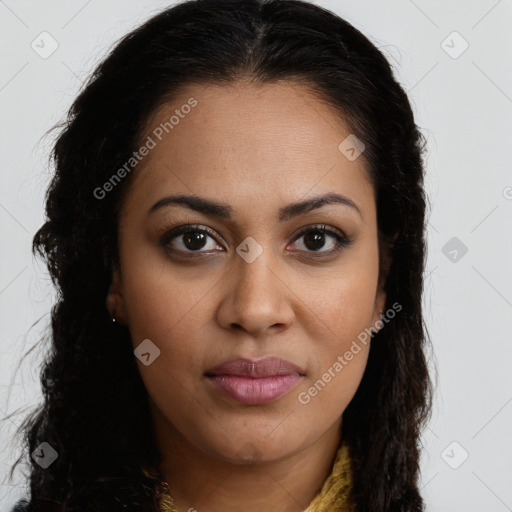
(249, 390)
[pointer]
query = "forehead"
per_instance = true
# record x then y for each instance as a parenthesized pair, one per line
(246, 142)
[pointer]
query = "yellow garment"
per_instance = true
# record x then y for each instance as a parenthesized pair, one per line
(336, 489)
(333, 496)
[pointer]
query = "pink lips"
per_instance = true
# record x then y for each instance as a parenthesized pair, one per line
(255, 382)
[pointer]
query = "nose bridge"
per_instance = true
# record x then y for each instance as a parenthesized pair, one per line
(258, 296)
(255, 270)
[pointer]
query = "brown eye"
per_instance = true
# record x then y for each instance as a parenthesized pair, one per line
(194, 240)
(314, 240)
(317, 237)
(190, 239)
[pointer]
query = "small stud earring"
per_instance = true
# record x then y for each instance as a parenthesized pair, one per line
(114, 316)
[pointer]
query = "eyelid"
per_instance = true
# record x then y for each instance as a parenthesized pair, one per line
(322, 226)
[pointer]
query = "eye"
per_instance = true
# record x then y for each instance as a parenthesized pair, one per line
(315, 239)
(193, 238)
(190, 239)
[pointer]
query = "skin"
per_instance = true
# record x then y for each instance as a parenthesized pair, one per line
(256, 148)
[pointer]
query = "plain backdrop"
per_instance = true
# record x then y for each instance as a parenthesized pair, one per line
(454, 60)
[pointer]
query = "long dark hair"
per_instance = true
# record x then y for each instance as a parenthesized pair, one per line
(95, 411)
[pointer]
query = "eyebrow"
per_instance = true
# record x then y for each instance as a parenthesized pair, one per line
(224, 211)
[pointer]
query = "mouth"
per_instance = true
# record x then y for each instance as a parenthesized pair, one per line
(255, 382)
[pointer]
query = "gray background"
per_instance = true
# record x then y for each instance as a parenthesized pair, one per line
(463, 104)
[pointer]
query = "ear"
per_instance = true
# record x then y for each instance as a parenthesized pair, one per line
(114, 300)
(378, 309)
(385, 259)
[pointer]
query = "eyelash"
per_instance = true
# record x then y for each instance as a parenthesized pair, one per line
(342, 241)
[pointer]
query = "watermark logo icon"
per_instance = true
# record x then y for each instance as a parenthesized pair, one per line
(454, 455)
(147, 352)
(45, 455)
(250, 453)
(44, 45)
(351, 147)
(454, 45)
(249, 249)
(454, 249)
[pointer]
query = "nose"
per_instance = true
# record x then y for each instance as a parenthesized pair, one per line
(256, 298)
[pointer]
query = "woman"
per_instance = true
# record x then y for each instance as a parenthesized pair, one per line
(236, 226)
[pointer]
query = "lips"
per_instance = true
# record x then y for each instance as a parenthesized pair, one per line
(254, 382)
(266, 367)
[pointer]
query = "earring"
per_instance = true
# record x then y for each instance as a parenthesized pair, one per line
(110, 303)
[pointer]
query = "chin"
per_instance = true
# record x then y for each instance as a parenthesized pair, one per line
(250, 450)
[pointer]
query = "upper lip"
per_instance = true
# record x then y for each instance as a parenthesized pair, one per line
(266, 367)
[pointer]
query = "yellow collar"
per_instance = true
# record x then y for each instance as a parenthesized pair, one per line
(336, 489)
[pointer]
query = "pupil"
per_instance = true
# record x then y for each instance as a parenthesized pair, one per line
(194, 240)
(316, 239)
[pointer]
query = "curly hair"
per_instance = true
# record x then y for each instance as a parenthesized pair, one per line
(95, 409)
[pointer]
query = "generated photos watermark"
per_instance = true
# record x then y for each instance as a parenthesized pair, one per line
(151, 142)
(304, 397)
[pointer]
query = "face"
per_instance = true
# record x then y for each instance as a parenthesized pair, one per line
(253, 278)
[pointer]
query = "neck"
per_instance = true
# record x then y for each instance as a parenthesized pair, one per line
(201, 481)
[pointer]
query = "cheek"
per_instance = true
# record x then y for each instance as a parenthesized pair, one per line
(343, 302)
(175, 324)
(163, 302)
(327, 392)
(338, 364)
(340, 325)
